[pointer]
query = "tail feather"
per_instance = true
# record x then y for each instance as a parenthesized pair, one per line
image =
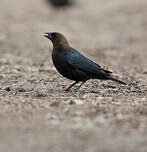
(107, 71)
(114, 79)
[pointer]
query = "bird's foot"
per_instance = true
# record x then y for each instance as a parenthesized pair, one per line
(66, 90)
(71, 86)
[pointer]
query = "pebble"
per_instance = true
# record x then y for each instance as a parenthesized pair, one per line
(77, 101)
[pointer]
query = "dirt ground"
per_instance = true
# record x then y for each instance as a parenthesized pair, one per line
(36, 115)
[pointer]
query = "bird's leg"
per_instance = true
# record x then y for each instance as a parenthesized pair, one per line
(71, 86)
(80, 85)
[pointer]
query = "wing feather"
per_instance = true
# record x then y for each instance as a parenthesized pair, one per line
(78, 61)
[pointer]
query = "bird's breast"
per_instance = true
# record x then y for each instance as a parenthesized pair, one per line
(60, 63)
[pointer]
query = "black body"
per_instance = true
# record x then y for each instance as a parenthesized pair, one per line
(77, 67)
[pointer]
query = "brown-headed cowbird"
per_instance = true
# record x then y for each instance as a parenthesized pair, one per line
(73, 65)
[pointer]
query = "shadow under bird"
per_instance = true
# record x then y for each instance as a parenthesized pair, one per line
(73, 65)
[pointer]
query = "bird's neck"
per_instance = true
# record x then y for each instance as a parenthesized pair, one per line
(61, 46)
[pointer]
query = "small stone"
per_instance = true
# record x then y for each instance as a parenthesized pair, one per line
(7, 89)
(78, 102)
(99, 98)
(55, 104)
(88, 95)
(99, 120)
(145, 71)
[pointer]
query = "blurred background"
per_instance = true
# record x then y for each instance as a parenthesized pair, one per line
(35, 114)
(100, 25)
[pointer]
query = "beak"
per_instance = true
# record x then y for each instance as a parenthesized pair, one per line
(48, 35)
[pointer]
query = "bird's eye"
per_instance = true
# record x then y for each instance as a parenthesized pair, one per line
(53, 35)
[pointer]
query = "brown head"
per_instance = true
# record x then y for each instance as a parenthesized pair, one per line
(59, 41)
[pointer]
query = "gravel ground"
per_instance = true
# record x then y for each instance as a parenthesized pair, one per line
(36, 115)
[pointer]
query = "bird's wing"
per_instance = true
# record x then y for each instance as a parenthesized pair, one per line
(78, 61)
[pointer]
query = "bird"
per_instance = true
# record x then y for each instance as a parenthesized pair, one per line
(73, 65)
(60, 3)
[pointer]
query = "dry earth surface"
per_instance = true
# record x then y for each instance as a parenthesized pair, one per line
(36, 115)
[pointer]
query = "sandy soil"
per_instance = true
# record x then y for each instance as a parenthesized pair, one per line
(36, 115)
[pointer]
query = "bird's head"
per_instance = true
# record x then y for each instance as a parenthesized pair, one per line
(59, 41)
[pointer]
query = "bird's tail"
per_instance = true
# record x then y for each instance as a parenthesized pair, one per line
(114, 79)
